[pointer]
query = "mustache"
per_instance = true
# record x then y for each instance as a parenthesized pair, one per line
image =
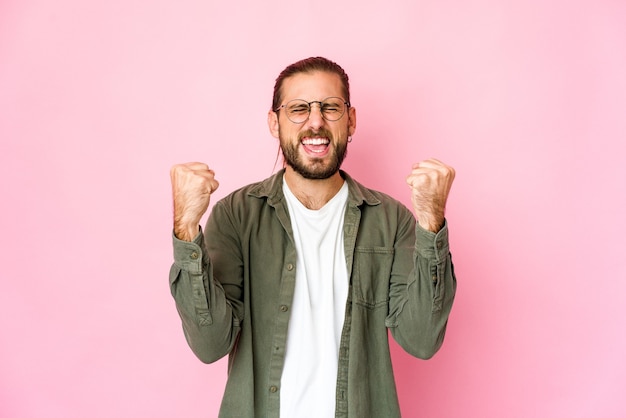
(321, 132)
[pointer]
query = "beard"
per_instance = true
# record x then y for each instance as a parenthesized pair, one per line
(317, 168)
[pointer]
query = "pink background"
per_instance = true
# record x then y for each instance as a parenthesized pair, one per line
(526, 99)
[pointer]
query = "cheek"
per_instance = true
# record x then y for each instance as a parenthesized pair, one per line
(287, 135)
(342, 133)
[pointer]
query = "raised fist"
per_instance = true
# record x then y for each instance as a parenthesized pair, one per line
(192, 185)
(430, 183)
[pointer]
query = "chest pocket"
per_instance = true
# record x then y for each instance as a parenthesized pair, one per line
(370, 275)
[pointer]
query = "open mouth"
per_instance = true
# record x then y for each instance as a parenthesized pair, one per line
(315, 145)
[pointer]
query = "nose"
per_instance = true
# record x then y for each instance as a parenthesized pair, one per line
(316, 120)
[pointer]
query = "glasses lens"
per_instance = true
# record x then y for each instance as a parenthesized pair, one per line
(297, 110)
(333, 108)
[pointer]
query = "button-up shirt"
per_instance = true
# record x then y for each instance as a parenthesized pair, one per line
(234, 285)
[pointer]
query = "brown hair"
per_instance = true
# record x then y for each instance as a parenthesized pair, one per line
(310, 65)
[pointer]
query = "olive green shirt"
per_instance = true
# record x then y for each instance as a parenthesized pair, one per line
(234, 286)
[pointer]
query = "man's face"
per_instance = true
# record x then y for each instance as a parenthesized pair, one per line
(316, 148)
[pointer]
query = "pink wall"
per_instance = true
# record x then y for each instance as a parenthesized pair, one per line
(527, 99)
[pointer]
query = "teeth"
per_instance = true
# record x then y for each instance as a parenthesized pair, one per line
(315, 141)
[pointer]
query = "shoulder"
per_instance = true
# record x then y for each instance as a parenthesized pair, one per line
(371, 197)
(252, 197)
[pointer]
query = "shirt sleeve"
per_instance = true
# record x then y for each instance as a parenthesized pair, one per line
(208, 318)
(421, 301)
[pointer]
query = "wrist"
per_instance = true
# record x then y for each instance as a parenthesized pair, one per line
(186, 232)
(430, 223)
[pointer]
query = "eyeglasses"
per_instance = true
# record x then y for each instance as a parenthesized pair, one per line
(331, 108)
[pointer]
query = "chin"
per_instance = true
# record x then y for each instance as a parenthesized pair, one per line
(320, 174)
(315, 169)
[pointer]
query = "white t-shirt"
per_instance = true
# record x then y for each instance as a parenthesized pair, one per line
(309, 377)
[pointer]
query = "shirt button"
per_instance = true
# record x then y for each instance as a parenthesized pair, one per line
(439, 245)
(284, 308)
(273, 389)
(289, 266)
(434, 279)
(194, 255)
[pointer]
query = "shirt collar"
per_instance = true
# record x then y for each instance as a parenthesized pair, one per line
(272, 189)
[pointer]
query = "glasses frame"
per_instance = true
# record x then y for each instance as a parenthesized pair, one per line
(319, 102)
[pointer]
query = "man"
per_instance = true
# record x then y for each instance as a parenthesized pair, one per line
(298, 278)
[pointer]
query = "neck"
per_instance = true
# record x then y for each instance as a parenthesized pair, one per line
(313, 194)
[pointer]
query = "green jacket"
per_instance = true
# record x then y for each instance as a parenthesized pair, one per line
(234, 286)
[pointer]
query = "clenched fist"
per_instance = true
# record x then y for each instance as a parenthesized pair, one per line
(430, 182)
(192, 185)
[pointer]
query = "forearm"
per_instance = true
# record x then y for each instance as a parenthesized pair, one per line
(208, 318)
(420, 306)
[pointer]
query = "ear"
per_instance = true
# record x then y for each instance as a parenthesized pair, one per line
(272, 123)
(351, 121)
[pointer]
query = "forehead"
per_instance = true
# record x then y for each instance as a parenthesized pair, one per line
(316, 85)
